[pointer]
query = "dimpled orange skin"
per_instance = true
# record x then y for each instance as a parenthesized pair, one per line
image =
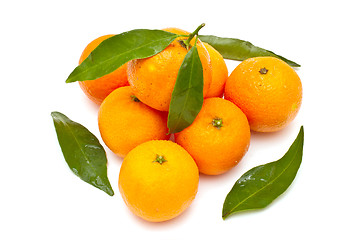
(219, 72)
(125, 123)
(97, 90)
(216, 149)
(157, 191)
(153, 79)
(270, 100)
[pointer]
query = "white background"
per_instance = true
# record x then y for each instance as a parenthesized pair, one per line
(41, 42)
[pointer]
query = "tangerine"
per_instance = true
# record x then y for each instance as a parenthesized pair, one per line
(153, 79)
(218, 138)
(125, 122)
(158, 180)
(267, 90)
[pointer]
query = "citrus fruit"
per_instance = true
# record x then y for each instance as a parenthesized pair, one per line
(218, 138)
(219, 72)
(125, 122)
(152, 79)
(267, 90)
(158, 180)
(176, 31)
(97, 90)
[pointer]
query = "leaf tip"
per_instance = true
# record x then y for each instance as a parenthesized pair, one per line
(225, 215)
(68, 80)
(110, 192)
(301, 132)
(292, 63)
(55, 114)
(106, 187)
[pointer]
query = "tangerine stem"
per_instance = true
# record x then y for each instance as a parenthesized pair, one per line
(217, 122)
(160, 159)
(263, 70)
(134, 98)
(194, 33)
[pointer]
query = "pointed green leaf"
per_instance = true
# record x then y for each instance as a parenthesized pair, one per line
(258, 187)
(236, 49)
(82, 152)
(118, 50)
(187, 96)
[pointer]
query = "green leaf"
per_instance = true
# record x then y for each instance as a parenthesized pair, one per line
(187, 96)
(115, 51)
(236, 49)
(82, 152)
(258, 187)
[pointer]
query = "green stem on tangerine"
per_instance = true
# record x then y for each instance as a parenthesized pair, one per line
(193, 34)
(217, 123)
(134, 98)
(160, 159)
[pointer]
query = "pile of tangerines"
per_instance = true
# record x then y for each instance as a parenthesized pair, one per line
(159, 177)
